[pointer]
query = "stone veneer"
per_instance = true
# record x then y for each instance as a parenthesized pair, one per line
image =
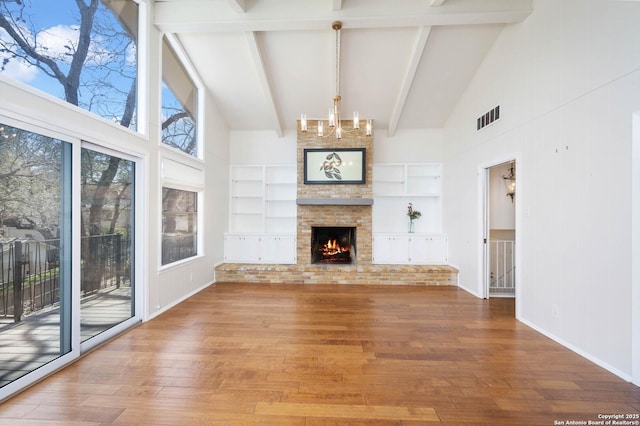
(432, 275)
(362, 271)
(335, 215)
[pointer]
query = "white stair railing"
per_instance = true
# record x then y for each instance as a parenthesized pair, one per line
(502, 266)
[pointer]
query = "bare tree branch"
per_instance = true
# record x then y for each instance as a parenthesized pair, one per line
(31, 51)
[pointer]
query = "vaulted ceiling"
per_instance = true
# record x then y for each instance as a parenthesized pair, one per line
(404, 63)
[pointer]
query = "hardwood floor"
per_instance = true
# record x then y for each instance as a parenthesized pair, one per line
(327, 355)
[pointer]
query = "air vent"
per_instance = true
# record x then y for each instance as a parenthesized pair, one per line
(489, 117)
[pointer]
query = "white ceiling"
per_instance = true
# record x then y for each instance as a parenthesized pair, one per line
(404, 63)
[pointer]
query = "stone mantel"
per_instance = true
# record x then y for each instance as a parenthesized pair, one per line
(334, 201)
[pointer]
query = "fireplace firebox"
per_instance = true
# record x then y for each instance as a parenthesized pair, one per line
(333, 244)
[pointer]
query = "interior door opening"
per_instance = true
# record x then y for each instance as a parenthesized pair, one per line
(500, 230)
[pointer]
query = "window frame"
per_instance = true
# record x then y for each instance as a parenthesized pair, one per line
(199, 224)
(139, 288)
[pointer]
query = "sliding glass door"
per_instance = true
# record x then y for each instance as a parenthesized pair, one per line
(107, 283)
(35, 251)
(67, 260)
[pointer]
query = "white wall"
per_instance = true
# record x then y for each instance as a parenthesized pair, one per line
(266, 148)
(408, 146)
(262, 148)
(209, 176)
(568, 81)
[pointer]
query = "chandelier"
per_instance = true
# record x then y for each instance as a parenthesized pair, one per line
(335, 120)
(510, 181)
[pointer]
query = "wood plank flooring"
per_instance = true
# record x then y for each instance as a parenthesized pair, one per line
(238, 354)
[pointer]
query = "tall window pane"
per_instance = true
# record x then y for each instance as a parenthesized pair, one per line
(84, 52)
(179, 225)
(107, 242)
(34, 251)
(179, 104)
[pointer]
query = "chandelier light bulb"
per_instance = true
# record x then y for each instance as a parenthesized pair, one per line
(320, 128)
(303, 122)
(356, 120)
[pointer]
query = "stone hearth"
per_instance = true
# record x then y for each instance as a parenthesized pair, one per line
(436, 275)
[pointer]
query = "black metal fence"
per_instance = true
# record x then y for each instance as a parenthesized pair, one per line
(178, 246)
(30, 274)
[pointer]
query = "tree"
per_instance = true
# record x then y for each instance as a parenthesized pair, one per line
(178, 129)
(93, 60)
(100, 45)
(29, 165)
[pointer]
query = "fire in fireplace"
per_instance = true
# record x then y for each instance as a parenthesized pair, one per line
(333, 244)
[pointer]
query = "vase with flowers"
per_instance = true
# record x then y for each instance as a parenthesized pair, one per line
(413, 215)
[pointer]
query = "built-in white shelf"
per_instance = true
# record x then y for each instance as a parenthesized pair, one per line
(262, 216)
(263, 199)
(395, 185)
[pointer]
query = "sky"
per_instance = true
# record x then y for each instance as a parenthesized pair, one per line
(56, 18)
(55, 22)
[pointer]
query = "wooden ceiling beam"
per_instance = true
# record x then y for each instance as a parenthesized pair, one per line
(208, 16)
(407, 81)
(265, 81)
(237, 5)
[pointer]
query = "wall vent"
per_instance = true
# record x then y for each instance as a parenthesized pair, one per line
(488, 118)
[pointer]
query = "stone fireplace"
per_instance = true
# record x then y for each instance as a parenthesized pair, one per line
(338, 206)
(335, 205)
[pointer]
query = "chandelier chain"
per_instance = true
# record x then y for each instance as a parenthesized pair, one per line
(334, 121)
(338, 62)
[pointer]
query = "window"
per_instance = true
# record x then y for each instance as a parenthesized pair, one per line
(179, 225)
(179, 104)
(90, 62)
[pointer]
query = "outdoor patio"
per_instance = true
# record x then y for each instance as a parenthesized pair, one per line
(35, 340)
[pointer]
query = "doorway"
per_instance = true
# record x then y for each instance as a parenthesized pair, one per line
(499, 240)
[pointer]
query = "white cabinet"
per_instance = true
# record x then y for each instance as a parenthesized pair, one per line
(396, 185)
(390, 249)
(421, 249)
(271, 249)
(277, 249)
(241, 248)
(263, 199)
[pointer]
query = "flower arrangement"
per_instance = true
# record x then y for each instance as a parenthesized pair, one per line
(413, 215)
